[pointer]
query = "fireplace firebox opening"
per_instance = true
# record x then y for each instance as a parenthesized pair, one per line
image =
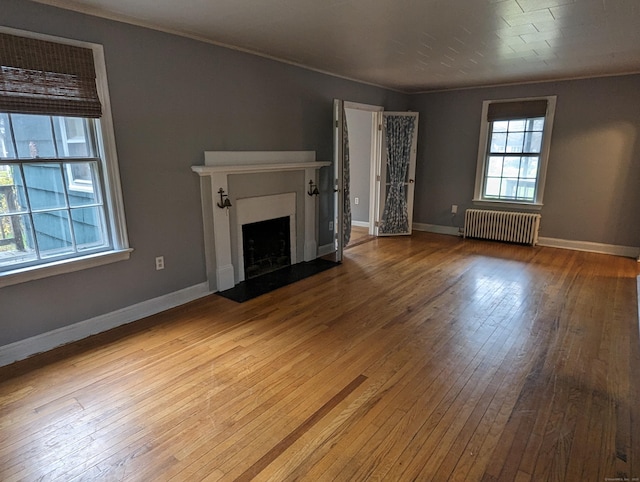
(266, 246)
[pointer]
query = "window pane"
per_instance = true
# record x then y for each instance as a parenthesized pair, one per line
(536, 124)
(34, 137)
(529, 167)
(72, 137)
(53, 233)
(498, 142)
(82, 183)
(517, 125)
(500, 126)
(45, 186)
(511, 167)
(492, 187)
(16, 240)
(533, 142)
(526, 190)
(495, 166)
(6, 143)
(515, 141)
(508, 188)
(88, 227)
(12, 196)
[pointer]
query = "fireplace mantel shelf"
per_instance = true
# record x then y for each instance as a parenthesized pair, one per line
(251, 168)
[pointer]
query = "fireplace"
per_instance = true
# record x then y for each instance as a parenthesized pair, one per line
(264, 185)
(266, 246)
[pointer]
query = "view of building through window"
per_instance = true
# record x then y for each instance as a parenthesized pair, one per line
(51, 204)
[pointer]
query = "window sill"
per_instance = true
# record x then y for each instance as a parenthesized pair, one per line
(508, 204)
(31, 273)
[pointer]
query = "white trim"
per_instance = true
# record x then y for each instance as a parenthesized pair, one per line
(262, 208)
(52, 339)
(544, 154)
(616, 250)
(360, 224)
(326, 249)
(114, 204)
(219, 165)
(374, 174)
(438, 229)
(508, 205)
(365, 107)
(235, 158)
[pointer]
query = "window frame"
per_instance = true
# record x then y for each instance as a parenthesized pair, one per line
(110, 177)
(483, 155)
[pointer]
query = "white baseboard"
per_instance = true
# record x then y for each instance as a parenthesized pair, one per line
(326, 249)
(436, 228)
(360, 224)
(626, 251)
(52, 339)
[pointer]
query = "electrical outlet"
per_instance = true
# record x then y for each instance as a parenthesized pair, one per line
(330, 225)
(160, 262)
(454, 209)
(356, 200)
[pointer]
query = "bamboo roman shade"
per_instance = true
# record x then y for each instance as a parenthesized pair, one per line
(41, 77)
(517, 109)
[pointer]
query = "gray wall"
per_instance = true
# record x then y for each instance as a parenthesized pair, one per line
(359, 123)
(172, 99)
(593, 177)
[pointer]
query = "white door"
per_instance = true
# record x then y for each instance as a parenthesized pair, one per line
(397, 173)
(338, 166)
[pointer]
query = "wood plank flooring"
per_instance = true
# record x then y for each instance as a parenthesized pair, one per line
(419, 358)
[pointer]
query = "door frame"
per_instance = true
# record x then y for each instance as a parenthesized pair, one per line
(375, 158)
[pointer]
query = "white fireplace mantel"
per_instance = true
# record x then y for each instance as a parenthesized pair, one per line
(221, 164)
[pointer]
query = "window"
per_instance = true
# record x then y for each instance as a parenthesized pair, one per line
(514, 146)
(60, 201)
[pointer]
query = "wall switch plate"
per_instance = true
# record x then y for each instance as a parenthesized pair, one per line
(356, 200)
(454, 209)
(160, 262)
(330, 225)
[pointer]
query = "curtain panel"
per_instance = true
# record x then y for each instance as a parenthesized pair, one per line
(346, 221)
(399, 134)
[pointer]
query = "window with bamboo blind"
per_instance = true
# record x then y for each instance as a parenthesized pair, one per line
(60, 200)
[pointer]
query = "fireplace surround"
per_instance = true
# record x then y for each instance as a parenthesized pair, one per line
(261, 185)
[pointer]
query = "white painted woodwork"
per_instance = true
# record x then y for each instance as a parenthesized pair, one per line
(263, 208)
(221, 164)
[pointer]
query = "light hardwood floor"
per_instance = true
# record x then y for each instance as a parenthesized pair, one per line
(419, 358)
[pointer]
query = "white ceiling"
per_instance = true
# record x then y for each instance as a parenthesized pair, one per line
(408, 45)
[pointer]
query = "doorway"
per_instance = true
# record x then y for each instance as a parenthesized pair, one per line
(389, 210)
(364, 157)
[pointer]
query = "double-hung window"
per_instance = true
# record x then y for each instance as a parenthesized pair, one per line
(60, 200)
(514, 146)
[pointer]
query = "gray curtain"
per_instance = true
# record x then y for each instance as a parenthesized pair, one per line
(346, 220)
(399, 133)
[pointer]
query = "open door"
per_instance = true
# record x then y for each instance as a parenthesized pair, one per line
(397, 173)
(338, 177)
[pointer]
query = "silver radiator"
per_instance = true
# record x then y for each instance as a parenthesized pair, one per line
(502, 226)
